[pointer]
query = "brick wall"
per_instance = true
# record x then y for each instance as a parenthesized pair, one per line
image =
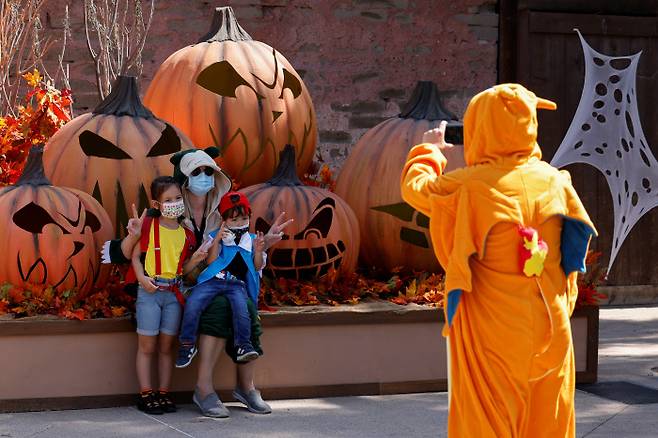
(360, 59)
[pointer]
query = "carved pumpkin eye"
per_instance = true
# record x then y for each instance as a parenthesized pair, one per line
(93, 145)
(32, 218)
(320, 224)
(92, 222)
(168, 143)
(222, 79)
(291, 82)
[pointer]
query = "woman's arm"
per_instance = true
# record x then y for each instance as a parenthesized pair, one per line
(128, 244)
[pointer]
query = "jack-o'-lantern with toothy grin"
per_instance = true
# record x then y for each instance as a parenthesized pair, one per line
(324, 234)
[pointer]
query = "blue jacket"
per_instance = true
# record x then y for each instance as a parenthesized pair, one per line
(225, 257)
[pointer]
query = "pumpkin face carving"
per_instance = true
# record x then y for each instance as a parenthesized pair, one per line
(324, 234)
(114, 153)
(54, 234)
(292, 259)
(369, 183)
(239, 95)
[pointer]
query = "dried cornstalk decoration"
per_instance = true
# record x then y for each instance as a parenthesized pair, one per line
(22, 48)
(120, 30)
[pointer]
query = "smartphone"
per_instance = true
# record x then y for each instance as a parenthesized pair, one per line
(455, 133)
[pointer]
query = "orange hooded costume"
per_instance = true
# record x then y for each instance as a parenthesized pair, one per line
(511, 234)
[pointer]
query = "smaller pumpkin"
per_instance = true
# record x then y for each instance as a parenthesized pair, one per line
(324, 234)
(52, 235)
(370, 183)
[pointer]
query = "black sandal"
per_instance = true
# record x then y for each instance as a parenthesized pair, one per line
(166, 403)
(148, 403)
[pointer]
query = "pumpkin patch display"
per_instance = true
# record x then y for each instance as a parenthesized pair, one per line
(237, 94)
(52, 235)
(324, 234)
(114, 152)
(369, 180)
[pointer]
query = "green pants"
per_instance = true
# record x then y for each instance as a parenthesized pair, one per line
(217, 321)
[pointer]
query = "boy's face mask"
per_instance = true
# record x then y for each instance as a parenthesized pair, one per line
(239, 231)
(200, 184)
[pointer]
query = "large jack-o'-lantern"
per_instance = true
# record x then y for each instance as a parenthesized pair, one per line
(393, 233)
(52, 235)
(114, 152)
(324, 234)
(238, 94)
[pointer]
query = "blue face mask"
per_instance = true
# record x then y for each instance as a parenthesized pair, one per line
(201, 184)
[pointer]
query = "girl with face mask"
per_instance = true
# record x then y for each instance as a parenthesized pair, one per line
(159, 260)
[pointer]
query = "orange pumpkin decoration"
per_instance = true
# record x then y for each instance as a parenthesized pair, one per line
(324, 234)
(237, 94)
(114, 152)
(53, 235)
(393, 233)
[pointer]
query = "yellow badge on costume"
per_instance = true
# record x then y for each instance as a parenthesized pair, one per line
(532, 252)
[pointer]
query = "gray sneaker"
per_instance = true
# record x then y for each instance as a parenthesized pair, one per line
(253, 401)
(211, 406)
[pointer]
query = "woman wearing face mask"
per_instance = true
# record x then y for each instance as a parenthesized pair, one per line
(192, 168)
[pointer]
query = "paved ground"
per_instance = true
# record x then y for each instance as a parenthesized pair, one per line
(626, 404)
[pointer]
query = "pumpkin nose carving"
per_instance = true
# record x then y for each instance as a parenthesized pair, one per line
(77, 247)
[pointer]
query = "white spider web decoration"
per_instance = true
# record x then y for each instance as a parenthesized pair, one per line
(606, 133)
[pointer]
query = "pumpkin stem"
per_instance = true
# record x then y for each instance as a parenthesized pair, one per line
(225, 27)
(425, 104)
(33, 173)
(124, 100)
(286, 172)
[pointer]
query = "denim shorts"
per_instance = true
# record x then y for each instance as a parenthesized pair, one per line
(157, 312)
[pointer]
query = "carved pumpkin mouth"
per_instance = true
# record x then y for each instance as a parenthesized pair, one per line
(37, 273)
(302, 263)
(121, 210)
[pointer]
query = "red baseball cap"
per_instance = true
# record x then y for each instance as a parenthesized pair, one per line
(233, 199)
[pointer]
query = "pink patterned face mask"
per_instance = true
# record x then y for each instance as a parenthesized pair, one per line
(172, 210)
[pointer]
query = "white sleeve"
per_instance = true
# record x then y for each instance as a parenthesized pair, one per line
(105, 253)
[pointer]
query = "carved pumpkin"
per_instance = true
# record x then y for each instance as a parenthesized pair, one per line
(52, 235)
(114, 152)
(324, 235)
(393, 233)
(238, 94)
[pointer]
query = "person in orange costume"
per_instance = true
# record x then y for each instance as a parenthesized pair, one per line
(511, 234)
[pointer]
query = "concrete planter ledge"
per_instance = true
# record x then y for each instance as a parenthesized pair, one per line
(314, 351)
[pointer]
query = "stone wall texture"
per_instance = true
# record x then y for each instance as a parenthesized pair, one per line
(360, 59)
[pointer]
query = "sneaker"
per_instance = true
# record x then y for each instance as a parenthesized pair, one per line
(149, 404)
(253, 401)
(185, 355)
(166, 403)
(246, 353)
(211, 406)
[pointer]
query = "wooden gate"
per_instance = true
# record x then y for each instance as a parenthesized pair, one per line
(539, 49)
